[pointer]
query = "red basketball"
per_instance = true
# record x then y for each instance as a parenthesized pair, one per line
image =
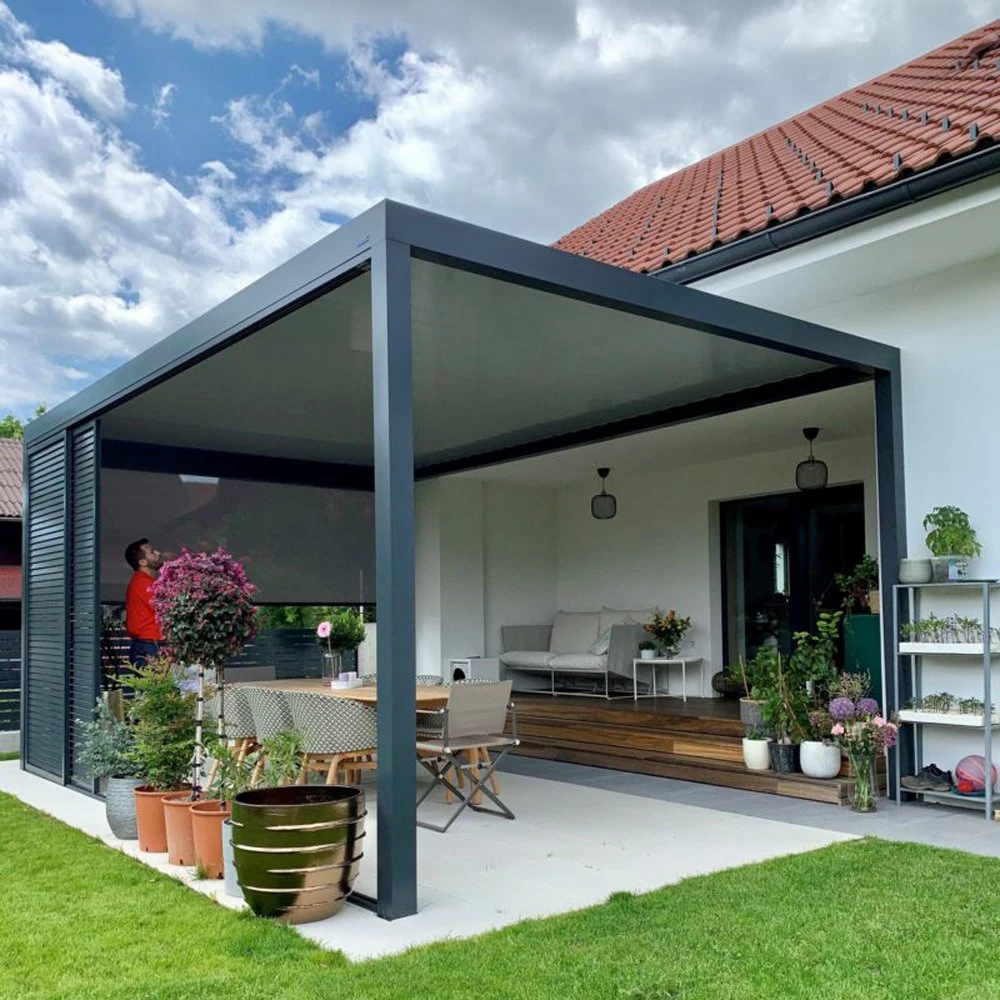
(970, 775)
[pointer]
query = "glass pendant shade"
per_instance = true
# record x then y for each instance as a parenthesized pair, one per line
(603, 505)
(812, 474)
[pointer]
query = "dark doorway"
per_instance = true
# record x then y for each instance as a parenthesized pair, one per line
(780, 554)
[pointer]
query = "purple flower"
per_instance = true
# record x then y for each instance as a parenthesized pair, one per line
(842, 709)
(867, 706)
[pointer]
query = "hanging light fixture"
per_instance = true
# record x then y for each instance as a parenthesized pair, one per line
(603, 505)
(812, 474)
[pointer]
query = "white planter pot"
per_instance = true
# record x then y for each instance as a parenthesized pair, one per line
(756, 754)
(819, 760)
(915, 571)
(228, 866)
(647, 654)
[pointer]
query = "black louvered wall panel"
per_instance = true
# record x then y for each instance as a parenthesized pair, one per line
(84, 617)
(44, 679)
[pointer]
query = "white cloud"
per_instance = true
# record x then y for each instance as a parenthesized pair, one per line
(161, 105)
(88, 78)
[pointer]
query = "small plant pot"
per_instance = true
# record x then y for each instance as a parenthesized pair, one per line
(647, 654)
(757, 755)
(119, 807)
(784, 757)
(875, 602)
(915, 571)
(950, 568)
(180, 835)
(150, 824)
(206, 826)
(231, 884)
(819, 760)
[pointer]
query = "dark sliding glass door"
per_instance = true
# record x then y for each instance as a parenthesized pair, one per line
(780, 554)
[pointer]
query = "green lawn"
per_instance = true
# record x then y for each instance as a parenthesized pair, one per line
(857, 920)
(9, 756)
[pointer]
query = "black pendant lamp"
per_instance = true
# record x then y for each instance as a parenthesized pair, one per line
(812, 474)
(603, 505)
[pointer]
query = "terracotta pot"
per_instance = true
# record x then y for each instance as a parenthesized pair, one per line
(149, 819)
(206, 822)
(180, 836)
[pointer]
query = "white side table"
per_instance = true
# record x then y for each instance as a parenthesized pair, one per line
(666, 661)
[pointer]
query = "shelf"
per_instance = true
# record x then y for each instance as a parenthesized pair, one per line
(945, 648)
(978, 801)
(946, 583)
(944, 719)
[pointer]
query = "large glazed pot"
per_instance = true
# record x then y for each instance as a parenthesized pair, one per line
(207, 818)
(819, 760)
(119, 807)
(298, 849)
(180, 835)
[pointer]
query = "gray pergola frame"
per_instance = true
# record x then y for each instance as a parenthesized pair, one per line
(384, 240)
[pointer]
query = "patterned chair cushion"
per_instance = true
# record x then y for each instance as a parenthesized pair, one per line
(270, 712)
(332, 725)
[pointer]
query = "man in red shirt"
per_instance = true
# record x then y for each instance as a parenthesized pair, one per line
(140, 619)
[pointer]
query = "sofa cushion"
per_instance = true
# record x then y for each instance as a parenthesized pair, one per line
(579, 661)
(526, 660)
(609, 617)
(601, 645)
(573, 631)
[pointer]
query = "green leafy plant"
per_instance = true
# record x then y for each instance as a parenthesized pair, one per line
(647, 644)
(949, 533)
(756, 734)
(856, 586)
(784, 704)
(164, 727)
(814, 660)
(344, 630)
(233, 773)
(943, 701)
(754, 674)
(284, 758)
(971, 706)
(107, 745)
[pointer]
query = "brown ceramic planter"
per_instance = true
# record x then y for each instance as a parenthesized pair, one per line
(206, 822)
(149, 819)
(180, 836)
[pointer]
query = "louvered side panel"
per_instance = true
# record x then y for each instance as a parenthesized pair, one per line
(44, 680)
(84, 618)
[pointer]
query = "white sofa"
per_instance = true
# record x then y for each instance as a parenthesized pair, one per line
(599, 645)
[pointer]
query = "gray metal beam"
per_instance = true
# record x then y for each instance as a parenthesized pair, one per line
(392, 384)
(891, 539)
(483, 251)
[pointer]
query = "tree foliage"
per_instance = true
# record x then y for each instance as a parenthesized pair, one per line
(12, 426)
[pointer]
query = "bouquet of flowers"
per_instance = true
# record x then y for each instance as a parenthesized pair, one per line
(668, 630)
(863, 733)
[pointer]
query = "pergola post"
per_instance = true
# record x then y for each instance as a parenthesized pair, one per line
(392, 394)
(891, 541)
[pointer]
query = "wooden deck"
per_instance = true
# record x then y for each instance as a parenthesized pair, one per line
(698, 740)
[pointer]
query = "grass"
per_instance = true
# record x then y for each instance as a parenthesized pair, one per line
(9, 756)
(868, 919)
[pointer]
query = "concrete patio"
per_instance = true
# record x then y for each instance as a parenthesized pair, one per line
(572, 845)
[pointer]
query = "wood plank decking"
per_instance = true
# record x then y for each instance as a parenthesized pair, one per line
(697, 740)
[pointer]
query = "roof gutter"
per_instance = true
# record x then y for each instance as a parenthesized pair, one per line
(916, 187)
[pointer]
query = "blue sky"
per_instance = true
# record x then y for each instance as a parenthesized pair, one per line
(125, 216)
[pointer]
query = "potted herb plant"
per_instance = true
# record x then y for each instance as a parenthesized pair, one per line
(342, 633)
(952, 541)
(756, 750)
(106, 753)
(647, 649)
(204, 603)
(161, 752)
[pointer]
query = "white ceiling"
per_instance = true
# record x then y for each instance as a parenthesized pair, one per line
(840, 414)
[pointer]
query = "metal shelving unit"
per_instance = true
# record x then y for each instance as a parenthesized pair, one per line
(906, 607)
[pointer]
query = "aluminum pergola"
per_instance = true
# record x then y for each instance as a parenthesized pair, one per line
(403, 346)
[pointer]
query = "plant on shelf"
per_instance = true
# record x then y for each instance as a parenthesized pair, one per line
(971, 706)
(863, 733)
(857, 586)
(647, 649)
(952, 541)
(204, 604)
(943, 701)
(668, 630)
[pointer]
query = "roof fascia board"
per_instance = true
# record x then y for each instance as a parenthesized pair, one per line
(288, 286)
(908, 191)
(483, 251)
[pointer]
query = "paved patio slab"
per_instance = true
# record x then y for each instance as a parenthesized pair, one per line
(570, 847)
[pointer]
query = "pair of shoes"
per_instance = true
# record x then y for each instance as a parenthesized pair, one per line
(930, 779)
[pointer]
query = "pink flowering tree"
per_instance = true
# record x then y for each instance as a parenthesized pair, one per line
(204, 604)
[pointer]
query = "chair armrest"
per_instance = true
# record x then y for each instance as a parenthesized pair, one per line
(624, 648)
(526, 638)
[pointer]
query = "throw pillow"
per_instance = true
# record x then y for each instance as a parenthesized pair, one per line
(602, 645)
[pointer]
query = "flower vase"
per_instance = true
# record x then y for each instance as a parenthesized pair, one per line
(667, 651)
(863, 798)
(332, 665)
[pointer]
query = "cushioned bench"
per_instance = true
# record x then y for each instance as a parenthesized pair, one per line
(599, 644)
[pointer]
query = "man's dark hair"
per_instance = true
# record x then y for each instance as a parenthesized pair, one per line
(134, 553)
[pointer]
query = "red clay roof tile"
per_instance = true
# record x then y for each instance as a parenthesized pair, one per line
(849, 141)
(10, 478)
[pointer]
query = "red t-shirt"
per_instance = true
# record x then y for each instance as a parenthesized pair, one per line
(140, 620)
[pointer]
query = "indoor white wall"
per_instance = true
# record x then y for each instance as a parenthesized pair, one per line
(662, 548)
(427, 570)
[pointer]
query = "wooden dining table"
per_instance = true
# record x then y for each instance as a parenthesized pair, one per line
(429, 696)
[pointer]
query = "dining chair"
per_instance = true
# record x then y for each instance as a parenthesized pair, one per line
(474, 719)
(239, 724)
(271, 715)
(337, 734)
